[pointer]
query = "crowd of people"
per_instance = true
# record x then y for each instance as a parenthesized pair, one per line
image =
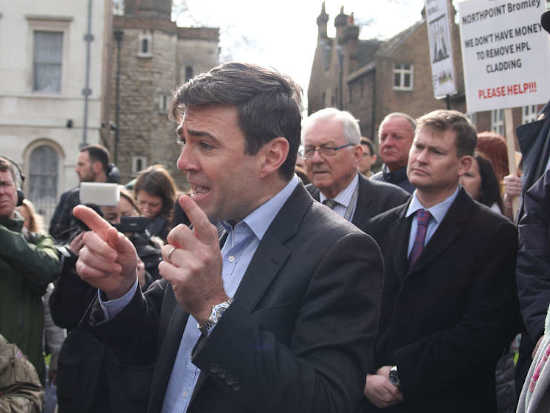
(290, 276)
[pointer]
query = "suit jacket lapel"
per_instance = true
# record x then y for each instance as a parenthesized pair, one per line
(269, 258)
(272, 252)
(400, 235)
(364, 201)
(451, 226)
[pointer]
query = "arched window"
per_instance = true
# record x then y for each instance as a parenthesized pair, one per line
(43, 177)
(145, 43)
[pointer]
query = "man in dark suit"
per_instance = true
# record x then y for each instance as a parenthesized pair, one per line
(449, 305)
(284, 317)
(332, 152)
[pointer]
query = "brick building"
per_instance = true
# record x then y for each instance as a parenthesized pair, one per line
(371, 78)
(150, 58)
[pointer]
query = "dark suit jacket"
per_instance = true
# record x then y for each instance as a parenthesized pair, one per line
(445, 322)
(374, 198)
(535, 149)
(299, 336)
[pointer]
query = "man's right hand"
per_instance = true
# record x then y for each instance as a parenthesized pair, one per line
(512, 187)
(107, 260)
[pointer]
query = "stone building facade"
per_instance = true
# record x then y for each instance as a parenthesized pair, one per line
(52, 66)
(150, 57)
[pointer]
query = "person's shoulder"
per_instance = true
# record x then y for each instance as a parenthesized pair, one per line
(390, 215)
(488, 219)
(312, 189)
(70, 194)
(324, 223)
(378, 176)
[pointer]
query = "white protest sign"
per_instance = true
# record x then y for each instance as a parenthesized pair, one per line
(505, 53)
(441, 50)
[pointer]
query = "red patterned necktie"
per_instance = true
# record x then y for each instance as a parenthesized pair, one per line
(422, 219)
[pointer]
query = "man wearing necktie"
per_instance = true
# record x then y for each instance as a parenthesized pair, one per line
(449, 305)
(332, 152)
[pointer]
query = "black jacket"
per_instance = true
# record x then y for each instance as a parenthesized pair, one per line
(533, 262)
(62, 224)
(374, 198)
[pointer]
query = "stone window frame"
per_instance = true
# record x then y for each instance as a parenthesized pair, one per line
(400, 72)
(46, 23)
(497, 121)
(529, 113)
(139, 163)
(163, 103)
(145, 36)
(47, 209)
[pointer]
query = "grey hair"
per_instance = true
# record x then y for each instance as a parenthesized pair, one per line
(352, 132)
(402, 115)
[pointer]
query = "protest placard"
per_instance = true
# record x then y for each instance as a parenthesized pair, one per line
(441, 48)
(505, 53)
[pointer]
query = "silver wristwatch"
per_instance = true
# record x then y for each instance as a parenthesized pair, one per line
(215, 315)
(394, 377)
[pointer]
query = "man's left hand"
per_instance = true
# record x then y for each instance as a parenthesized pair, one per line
(192, 263)
(380, 391)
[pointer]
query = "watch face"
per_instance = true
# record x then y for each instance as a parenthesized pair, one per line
(394, 377)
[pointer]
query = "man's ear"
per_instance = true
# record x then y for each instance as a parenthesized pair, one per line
(465, 164)
(272, 155)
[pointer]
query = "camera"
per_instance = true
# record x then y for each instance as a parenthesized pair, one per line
(132, 224)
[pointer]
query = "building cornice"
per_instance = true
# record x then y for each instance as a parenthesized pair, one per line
(49, 18)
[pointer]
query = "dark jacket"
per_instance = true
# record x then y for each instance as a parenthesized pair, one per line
(445, 321)
(298, 336)
(533, 262)
(398, 178)
(374, 198)
(534, 143)
(90, 378)
(62, 224)
(26, 268)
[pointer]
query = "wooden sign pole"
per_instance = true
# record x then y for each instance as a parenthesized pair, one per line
(511, 150)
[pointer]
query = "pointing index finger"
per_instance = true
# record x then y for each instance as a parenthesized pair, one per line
(92, 220)
(202, 227)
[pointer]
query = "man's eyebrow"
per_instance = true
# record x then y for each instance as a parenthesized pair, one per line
(201, 134)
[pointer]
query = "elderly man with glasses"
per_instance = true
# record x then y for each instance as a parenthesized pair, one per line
(332, 153)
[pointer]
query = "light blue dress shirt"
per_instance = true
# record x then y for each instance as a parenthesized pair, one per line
(241, 243)
(344, 198)
(438, 212)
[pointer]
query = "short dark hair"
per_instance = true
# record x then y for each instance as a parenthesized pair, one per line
(268, 104)
(442, 120)
(6, 165)
(157, 181)
(489, 192)
(368, 142)
(98, 153)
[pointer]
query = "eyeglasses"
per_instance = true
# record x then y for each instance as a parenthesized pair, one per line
(323, 150)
